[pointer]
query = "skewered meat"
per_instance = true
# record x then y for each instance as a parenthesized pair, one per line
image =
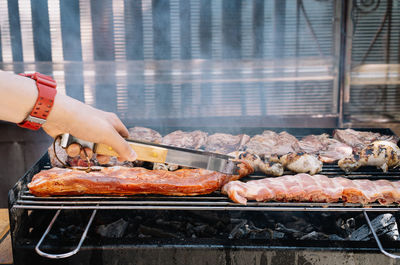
(358, 139)
(270, 143)
(144, 134)
(382, 154)
(192, 140)
(301, 163)
(129, 181)
(317, 188)
(225, 143)
(258, 165)
(328, 149)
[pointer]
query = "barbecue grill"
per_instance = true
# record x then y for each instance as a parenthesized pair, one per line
(22, 203)
(219, 66)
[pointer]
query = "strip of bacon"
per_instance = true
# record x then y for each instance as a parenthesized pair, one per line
(316, 188)
(130, 181)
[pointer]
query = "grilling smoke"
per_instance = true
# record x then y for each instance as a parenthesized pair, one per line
(201, 58)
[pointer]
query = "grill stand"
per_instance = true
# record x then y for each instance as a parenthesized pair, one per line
(378, 242)
(68, 254)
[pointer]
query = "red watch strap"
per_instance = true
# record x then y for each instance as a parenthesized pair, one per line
(46, 93)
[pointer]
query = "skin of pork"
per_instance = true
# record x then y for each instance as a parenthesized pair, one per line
(317, 188)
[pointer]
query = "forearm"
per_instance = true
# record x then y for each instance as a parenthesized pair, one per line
(17, 97)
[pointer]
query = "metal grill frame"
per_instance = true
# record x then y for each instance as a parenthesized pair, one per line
(21, 201)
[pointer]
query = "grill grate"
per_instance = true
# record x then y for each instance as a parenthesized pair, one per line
(214, 201)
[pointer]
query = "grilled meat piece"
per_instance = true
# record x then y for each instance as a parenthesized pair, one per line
(192, 140)
(358, 139)
(144, 134)
(270, 143)
(225, 143)
(301, 163)
(312, 144)
(334, 151)
(317, 188)
(328, 149)
(129, 181)
(165, 166)
(382, 154)
(267, 167)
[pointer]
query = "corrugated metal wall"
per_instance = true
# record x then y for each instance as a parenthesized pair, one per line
(373, 87)
(292, 44)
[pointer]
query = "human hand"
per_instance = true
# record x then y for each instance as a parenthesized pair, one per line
(90, 124)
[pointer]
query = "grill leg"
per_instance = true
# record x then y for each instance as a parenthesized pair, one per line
(68, 254)
(377, 239)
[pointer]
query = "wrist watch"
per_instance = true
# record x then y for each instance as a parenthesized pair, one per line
(46, 93)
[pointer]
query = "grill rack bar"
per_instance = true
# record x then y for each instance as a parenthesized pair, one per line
(208, 202)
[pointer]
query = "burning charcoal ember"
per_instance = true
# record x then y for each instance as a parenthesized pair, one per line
(113, 230)
(384, 225)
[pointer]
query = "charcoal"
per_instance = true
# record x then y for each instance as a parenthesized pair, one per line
(113, 230)
(347, 226)
(384, 225)
(277, 235)
(145, 231)
(314, 235)
(174, 224)
(293, 232)
(238, 231)
(335, 237)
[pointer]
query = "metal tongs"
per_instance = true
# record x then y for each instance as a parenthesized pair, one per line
(159, 153)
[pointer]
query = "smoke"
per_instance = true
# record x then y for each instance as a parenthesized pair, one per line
(190, 60)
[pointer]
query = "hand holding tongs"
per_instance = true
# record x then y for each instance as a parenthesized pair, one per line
(158, 153)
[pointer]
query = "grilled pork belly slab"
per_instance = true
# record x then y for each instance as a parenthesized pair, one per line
(359, 139)
(225, 143)
(381, 154)
(192, 140)
(317, 188)
(130, 181)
